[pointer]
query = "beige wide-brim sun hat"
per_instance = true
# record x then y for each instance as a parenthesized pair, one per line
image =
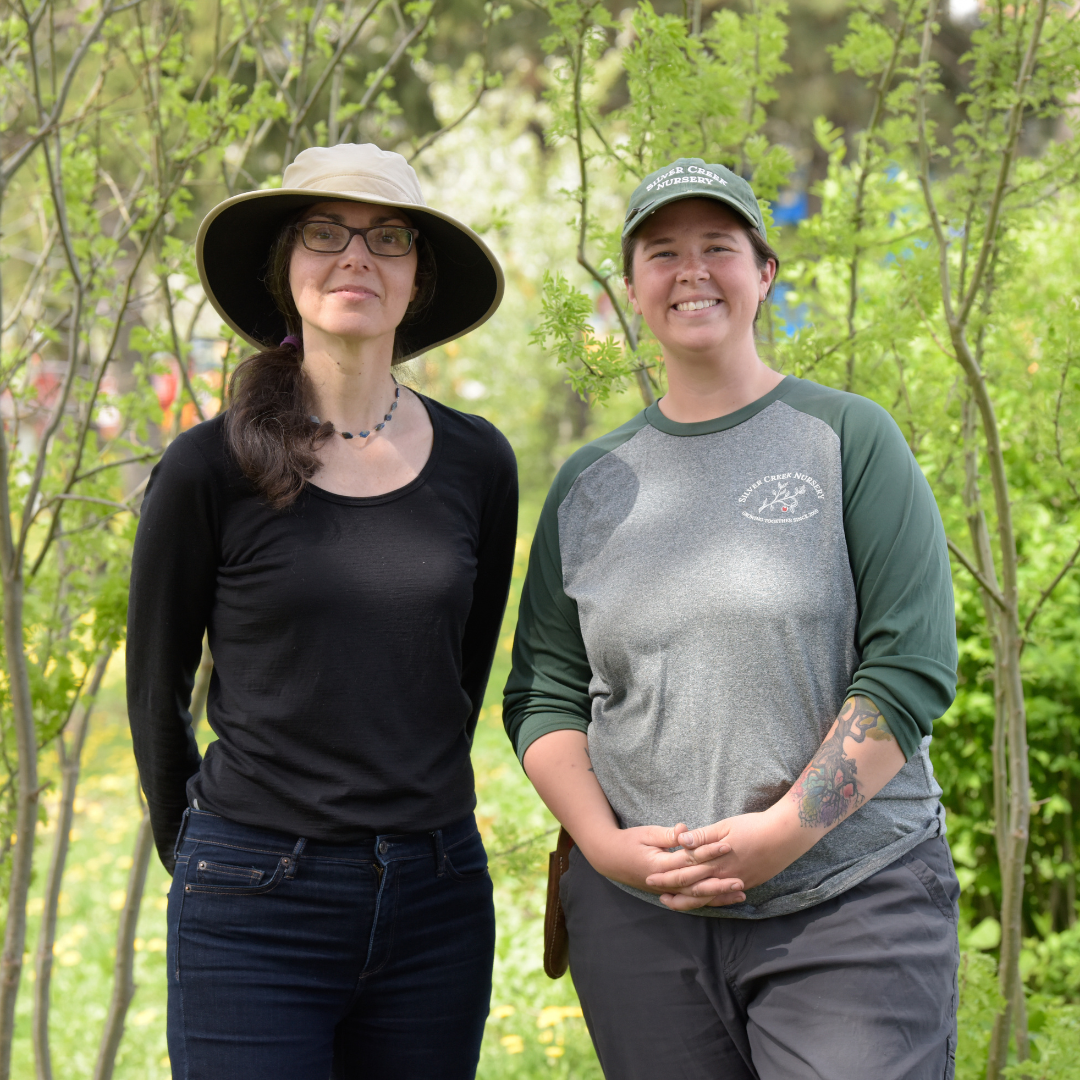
(235, 238)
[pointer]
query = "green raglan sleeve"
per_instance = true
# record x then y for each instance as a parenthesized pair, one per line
(900, 562)
(548, 688)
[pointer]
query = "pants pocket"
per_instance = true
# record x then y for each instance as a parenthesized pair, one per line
(932, 883)
(223, 871)
(467, 860)
(216, 873)
(950, 1059)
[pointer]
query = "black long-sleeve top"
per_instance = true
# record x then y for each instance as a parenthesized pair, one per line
(352, 638)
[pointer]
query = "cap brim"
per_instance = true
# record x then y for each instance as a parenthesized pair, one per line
(234, 243)
(668, 197)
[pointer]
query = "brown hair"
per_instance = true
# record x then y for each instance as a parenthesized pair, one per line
(267, 426)
(763, 252)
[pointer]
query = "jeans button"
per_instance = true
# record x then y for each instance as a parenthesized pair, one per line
(384, 847)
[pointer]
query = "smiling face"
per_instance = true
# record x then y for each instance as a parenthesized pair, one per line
(353, 294)
(696, 280)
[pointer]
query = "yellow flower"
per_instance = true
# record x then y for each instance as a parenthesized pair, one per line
(513, 1044)
(501, 1012)
(116, 899)
(554, 1051)
(546, 1036)
(551, 1015)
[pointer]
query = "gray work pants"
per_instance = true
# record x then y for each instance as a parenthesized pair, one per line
(863, 985)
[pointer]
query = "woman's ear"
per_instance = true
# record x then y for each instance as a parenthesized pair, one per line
(631, 295)
(768, 276)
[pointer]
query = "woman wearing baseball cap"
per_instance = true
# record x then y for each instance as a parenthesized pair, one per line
(736, 632)
(346, 544)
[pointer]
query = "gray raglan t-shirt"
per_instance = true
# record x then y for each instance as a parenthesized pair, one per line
(701, 599)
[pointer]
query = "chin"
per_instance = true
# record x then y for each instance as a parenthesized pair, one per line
(701, 344)
(350, 329)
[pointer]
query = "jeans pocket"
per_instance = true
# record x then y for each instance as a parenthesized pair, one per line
(223, 871)
(467, 860)
(215, 873)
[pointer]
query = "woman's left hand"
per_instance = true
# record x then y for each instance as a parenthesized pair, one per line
(750, 847)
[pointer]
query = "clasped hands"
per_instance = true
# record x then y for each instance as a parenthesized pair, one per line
(713, 866)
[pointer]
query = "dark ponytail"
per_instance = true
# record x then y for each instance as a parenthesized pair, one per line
(267, 426)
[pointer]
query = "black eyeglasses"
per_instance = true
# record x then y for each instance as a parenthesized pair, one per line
(330, 238)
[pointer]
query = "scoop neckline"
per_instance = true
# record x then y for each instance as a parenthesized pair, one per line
(389, 496)
(659, 421)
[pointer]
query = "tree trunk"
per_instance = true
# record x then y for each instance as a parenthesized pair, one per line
(70, 764)
(22, 862)
(123, 972)
(1012, 872)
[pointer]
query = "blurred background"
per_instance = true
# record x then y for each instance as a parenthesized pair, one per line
(918, 166)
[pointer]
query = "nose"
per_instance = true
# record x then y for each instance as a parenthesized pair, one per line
(692, 268)
(356, 254)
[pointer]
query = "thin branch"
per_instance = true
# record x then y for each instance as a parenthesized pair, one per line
(445, 130)
(116, 465)
(11, 165)
(1016, 116)
(376, 82)
(343, 45)
(603, 280)
(124, 967)
(526, 843)
(181, 360)
(1045, 594)
(985, 585)
(67, 497)
(865, 151)
(31, 281)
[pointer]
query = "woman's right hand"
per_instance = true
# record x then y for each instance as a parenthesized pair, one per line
(631, 855)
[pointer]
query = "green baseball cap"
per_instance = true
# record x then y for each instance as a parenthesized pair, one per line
(691, 178)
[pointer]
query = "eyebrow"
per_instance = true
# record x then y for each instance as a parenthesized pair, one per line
(341, 220)
(661, 240)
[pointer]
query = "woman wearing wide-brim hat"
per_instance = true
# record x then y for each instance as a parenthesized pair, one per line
(347, 546)
(735, 634)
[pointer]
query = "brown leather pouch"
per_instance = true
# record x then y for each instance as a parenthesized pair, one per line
(556, 943)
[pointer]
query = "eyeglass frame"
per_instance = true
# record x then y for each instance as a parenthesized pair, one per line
(413, 235)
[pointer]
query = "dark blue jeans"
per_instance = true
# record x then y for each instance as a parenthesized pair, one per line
(302, 960)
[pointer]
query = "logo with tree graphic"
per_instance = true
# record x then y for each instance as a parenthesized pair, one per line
(781, 498)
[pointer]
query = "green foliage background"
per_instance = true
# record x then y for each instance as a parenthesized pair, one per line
(510, 167)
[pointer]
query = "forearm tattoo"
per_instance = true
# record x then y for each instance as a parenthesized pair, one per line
(828, 789)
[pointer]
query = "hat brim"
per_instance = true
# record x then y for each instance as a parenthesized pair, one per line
(234, 243)
(650, 208)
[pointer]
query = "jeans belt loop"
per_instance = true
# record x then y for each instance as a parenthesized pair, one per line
(180, 835)
(294, 859)
(440, 853)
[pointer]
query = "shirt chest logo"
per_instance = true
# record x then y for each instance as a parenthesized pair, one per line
(783, 498)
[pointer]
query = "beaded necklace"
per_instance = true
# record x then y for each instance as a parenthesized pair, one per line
(378, 427)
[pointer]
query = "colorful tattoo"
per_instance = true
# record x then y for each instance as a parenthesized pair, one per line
(828, 789)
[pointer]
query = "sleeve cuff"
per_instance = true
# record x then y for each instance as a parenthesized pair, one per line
(533, 727)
